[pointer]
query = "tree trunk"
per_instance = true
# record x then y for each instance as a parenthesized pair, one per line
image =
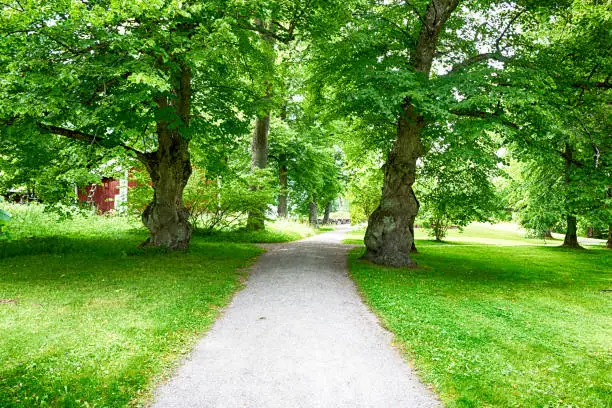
(313, 213)
(259, 160)
(571, 236)
(413, 248)
(166, 217)
(609, 243)
(548, 233)
(327, 213)
(282, 181)
(170, 168)
(389, 237)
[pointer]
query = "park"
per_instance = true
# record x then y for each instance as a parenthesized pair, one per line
(310, 203)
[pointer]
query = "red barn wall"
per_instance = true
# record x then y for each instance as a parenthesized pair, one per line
(104, 195)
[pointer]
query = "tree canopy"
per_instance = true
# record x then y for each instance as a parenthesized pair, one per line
(427, 91)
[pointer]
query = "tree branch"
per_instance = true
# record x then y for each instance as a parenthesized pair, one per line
(496, 55)
(264, 31)
(477, 58)
(87, 138)
(485, 115)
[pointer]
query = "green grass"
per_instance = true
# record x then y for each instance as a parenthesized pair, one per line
(275, 232)
(87, 319)
(500, 325)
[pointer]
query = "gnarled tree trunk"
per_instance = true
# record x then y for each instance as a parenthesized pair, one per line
(166, 217)
(389, 237)
(259, 160)
(170, 168)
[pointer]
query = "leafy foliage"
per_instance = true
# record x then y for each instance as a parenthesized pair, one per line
(5, 217)
(455, 181)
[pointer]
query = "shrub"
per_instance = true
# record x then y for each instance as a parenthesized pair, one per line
(214, 204)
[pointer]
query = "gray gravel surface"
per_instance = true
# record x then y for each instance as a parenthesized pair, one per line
(298, 335)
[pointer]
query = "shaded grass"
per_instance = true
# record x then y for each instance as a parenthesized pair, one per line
(279, 231)
(476, 233)
(94, 321)
(501, 326)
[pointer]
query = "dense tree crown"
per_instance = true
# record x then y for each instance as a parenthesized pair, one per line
(401, 105)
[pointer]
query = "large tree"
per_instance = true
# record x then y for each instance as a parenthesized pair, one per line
(410, 70)
(382, 66)
(145, 76)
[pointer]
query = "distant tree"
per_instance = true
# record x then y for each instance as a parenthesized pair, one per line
(455, 181)
(562, 115)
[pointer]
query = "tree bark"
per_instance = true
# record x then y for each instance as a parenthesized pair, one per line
(327, 213)
(609, 243)
(166, 217)
(389, 237)
(313, 213)
(259, 160)
(170, 168)
(413, 248)
(571, 236)
(283, 182)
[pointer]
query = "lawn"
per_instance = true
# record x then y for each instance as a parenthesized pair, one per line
(492, 320)
(88, 319)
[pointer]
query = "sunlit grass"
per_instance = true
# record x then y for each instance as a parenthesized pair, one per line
(277, 231)
(88, 319)
(500, 325)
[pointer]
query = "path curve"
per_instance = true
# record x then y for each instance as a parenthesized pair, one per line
(298, 336)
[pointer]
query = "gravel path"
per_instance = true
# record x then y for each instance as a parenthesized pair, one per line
(298, 335)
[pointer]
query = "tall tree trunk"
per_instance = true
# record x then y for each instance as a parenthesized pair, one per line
(259, 160)
(571, 235)
(327, 213)
(166, 217)
(389, 237)
(413, 248)
(313, 213)
(170, 168)
(283, 182)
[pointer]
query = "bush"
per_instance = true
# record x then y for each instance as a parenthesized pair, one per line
(214, 204)
(224, 203)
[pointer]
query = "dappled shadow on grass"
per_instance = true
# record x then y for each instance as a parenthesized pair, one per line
(98, 319)
(252, 237)
(128, 244)
(59, 245)
(498, 325)
(531, 265)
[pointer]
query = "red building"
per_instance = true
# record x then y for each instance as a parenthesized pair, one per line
(107, 196)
